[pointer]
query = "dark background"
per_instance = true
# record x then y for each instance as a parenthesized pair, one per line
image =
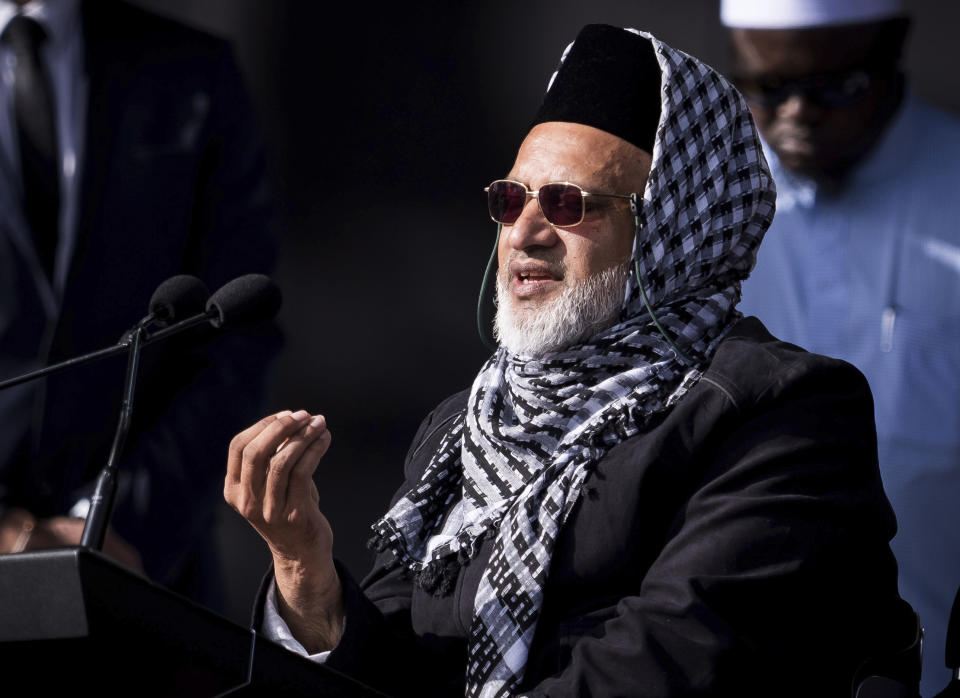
(384, 122)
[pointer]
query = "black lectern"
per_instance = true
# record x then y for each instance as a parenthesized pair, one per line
(73, 622)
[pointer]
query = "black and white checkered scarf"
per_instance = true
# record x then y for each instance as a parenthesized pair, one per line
(513, 465)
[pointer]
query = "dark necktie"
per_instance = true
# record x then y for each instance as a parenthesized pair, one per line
(37, 136)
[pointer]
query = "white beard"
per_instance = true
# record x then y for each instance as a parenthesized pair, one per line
(581, 311)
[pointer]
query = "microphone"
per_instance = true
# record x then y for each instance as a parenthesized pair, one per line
(242, 303)
(177, 297)
(245, 301)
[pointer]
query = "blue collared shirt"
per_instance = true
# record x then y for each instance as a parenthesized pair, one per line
(870, 273)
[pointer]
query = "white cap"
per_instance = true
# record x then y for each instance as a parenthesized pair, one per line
(799, 14)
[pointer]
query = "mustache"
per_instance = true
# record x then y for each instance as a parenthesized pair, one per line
(555, 264)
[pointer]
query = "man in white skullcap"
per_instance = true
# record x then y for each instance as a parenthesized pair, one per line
(862, 261)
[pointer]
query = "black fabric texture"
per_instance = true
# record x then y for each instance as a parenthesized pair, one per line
(610, 80)
(738, 547)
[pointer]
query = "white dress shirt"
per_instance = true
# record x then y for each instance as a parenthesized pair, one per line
(275, 628)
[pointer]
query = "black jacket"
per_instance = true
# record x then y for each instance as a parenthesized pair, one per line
(739, 548)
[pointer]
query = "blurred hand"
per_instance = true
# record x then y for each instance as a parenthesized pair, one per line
(20, 531)
(269, 482)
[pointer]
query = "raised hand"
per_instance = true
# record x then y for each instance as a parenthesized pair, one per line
(269, 482)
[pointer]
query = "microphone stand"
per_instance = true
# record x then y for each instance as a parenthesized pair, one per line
(102, 501)
(231, 304)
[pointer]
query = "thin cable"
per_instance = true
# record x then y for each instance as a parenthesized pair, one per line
(636, 270)
(484, 327)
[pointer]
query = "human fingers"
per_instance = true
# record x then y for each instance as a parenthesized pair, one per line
(246, 494)
(239, 442)
(301, 451)
(302, 498)
(301, 487)
(60, 531)
(17, 527)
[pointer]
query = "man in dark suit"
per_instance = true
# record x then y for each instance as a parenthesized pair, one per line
(157, 170)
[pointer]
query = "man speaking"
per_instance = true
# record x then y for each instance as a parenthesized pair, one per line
(642, 493)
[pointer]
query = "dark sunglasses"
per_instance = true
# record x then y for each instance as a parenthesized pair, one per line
(563, 204)
(827, 89)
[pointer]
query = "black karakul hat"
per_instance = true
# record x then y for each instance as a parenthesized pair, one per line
(610, 80)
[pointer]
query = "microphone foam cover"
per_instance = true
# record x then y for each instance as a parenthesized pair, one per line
(179, 297)
(244, 302)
